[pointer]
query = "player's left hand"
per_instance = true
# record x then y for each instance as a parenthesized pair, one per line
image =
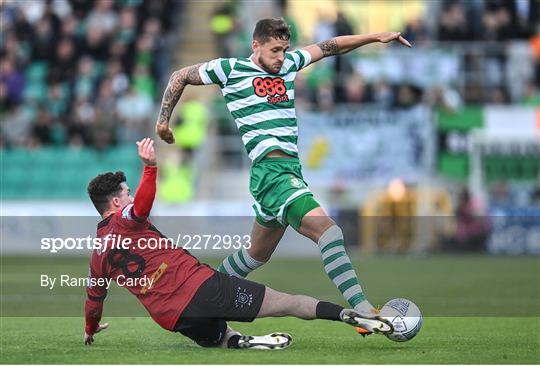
(146, 151)
(89, 338)
(392, 36)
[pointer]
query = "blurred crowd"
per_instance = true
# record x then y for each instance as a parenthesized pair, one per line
(497, 44)
(77, 72)
(479, 20)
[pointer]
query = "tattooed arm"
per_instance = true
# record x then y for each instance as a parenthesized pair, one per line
(179, 79)
(343, 44)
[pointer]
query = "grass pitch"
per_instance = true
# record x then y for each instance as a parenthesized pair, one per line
(477, 310)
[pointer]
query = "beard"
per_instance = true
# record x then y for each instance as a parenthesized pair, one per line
(269, 69)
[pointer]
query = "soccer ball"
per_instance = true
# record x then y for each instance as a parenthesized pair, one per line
(404, 316)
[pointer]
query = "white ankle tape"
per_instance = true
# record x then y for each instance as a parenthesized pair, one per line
(331, 234)
(250, 261)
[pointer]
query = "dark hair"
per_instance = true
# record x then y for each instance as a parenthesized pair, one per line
(103, 187)
(271, 28)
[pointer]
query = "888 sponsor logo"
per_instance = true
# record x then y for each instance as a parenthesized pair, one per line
(272, 88)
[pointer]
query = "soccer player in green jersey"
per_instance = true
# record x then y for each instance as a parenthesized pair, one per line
(259, 91)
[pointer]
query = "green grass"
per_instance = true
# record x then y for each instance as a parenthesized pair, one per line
(477, 310)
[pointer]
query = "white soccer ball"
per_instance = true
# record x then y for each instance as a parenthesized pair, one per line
(404, 316)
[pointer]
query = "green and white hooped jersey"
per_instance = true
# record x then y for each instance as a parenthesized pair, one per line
(261, 104)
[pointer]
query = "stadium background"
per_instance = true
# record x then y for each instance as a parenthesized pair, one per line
(428, 158)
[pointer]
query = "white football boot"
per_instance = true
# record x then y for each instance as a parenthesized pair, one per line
(366, 324)
(269, 341)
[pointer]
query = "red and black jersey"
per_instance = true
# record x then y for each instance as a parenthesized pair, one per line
(176, 274)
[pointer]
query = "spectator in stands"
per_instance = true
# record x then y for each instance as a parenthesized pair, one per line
(444, 97)
(103, 16)
(105, 100)
(472, 229)
(534, 44)
(41, 131)
(416, 31)
(496, 25)
(192, 127)
(103, 129)
(66, 49)
(407, 96)
(127, 32)
(531, 96)
(119, 80)
(123, 53)
(223, 26)
(43, 41)
(452, 24)
(284, 9)
(500, 194)
(63, 66)
(57, 102)
(11, 84)
(134, 110)
(84, 115)
(356, 90)
(382, 93)
(325, 27)
(535, 195)
(144, 51)
(342, 67)
(499, 95)
(143, 81)
(86, 78)
(95, 44)
(71, 27)
(153, 29)
(19, 51)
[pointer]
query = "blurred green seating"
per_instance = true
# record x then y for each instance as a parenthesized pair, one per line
(61, 173)
(499, 167)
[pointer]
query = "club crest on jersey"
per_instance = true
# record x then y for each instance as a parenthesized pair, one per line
(295, 182)
(273, 89)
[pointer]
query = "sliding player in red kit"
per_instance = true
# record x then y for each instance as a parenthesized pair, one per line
(180, 293)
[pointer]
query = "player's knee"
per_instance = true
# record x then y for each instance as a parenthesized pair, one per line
(208, 333)
(314, 227)
(275, 303)
(331, 229)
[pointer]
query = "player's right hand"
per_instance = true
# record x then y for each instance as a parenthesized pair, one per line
(146, 151)
(89, 338)
(386, 37)
(165, 133)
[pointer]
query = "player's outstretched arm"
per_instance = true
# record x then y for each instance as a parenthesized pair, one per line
(177, 82)
(93, 307)
(343, 44)
(144, 198)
